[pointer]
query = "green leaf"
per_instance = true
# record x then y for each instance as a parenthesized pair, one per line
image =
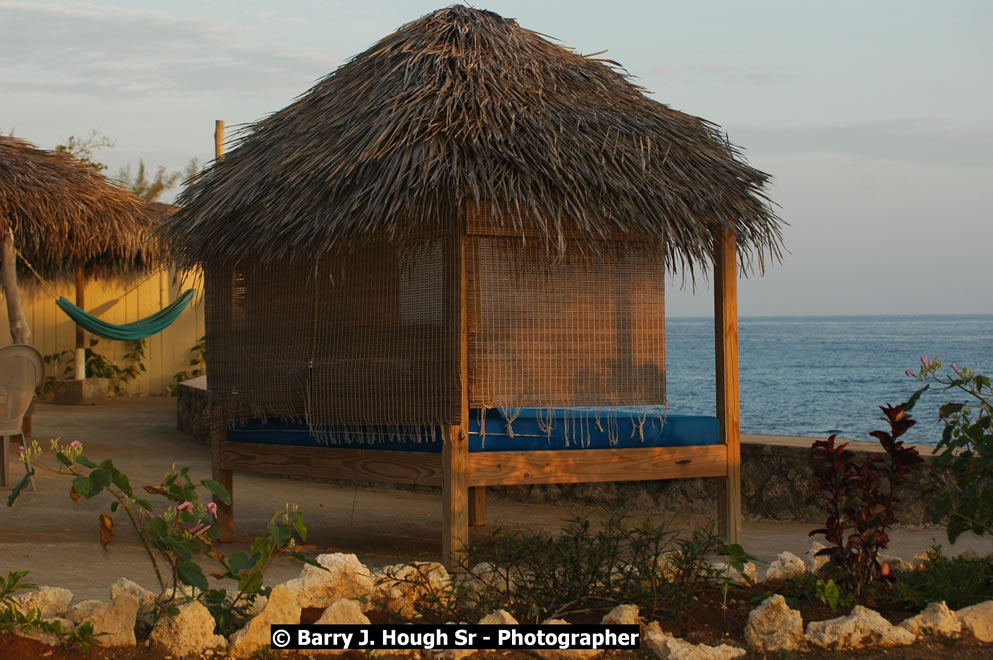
(82, 460)
(143, 503)
(313, 562)
(81, 485)
(190, 573)
(280, 535)
(299, 526)
(121, 481)
(63, 459)
(158, 526)
(218, 490)
(114, 506)
(21, 485)
(239, 561)
(99, 479)
(914, 397)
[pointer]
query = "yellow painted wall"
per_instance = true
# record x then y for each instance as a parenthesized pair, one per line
(118, 302)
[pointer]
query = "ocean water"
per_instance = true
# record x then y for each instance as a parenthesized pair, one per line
(813, 376)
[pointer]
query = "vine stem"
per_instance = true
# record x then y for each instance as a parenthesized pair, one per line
(141, 535)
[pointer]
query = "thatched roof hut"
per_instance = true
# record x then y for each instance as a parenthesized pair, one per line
(464, 105)
(466, 218)
(65, 213)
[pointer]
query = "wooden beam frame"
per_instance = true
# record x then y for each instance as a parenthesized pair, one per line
(726, 362)
(455, 452)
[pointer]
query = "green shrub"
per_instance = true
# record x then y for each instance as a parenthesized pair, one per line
(587, 569)
(958, 581)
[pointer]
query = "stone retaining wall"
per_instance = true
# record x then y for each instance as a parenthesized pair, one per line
(775, 473)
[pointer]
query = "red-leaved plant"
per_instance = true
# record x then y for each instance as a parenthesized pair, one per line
(861, 501)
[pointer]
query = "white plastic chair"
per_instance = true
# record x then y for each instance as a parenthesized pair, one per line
(21, 371)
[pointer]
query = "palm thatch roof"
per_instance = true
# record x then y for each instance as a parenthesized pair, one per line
(64, 212)
(463, 106)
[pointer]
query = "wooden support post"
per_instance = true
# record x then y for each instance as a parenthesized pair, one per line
(218, 139)
(219, 428)
(80, 361)
(5, 452)
(477, 506)
(455, 454)
(225, 512)
(726, 358)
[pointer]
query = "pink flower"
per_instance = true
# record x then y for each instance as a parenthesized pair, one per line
(20, 449)
(200, 529)
(212, 508)
(75, 444)
(954, 368)
(926, 362)
(910, 373)
(185, 505)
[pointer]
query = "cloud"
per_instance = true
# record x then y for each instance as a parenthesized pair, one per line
(922, 141)
(114, 53)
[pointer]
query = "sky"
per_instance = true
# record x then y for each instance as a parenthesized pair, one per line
(873, 118)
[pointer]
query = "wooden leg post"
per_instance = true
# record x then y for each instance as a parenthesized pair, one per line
(726, 357)
(477, 506)
(455, 454)
(225, 512)
(455, 496)
(4, 458)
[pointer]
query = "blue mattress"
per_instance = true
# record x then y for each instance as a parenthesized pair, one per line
(522, 429)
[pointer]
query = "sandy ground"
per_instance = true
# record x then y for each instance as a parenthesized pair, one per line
(57, 540)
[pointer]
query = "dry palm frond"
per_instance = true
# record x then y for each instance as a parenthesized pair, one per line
(64, 212)
(464, 106)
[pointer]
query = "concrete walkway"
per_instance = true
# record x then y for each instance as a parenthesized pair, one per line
(58, 541)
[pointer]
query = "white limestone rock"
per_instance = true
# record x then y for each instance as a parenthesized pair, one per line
(65, 625)
(622, 615)
(343, 612)
(786, 566)
(813, 562)
(862, 627)
(566, 654)
(936, 618)
(115, 618)
(145, 598)
(749, 570)
(499, 617)
(257, 606)
(485, 575)
(896, 563)
(80, 612)
(282, 608)
(774, 626)
(345, 577)
(29, 632)
(668, 647)
(917, 561)
(189, 633)
(978, 620)
(666, 564)
(50, 601)
(401, 587)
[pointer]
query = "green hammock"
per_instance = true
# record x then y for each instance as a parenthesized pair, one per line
(146, 327)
